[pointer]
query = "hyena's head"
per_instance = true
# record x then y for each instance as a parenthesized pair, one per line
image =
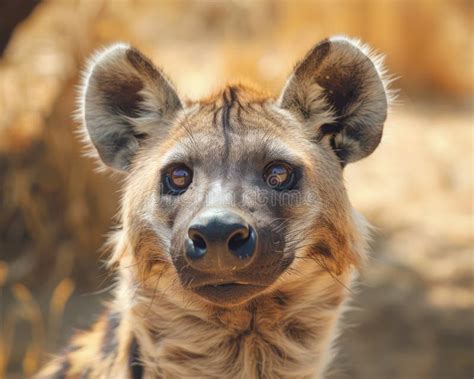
(238, 193)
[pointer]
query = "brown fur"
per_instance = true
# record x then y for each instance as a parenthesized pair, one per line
(156, 327)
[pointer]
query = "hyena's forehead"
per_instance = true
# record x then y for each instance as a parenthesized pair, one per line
(236, 126)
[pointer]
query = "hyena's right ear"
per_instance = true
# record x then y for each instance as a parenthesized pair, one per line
(339, 93)
(125, 99)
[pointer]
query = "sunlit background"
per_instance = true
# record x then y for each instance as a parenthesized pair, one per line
(412, 315)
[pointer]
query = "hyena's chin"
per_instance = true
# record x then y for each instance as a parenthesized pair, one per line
(230, 294)
(225, 258)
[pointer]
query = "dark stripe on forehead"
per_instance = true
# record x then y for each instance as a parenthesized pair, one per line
(214, 119)
(239, 113)
(229, 96)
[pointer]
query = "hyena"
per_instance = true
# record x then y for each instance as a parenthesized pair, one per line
(237, 243)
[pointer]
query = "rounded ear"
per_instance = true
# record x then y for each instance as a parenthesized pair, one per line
(337, 90)
(125, 99)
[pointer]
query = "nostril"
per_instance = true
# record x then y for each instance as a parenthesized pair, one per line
(242, 244)
(196, 246)
(238, 240)
(199, 242)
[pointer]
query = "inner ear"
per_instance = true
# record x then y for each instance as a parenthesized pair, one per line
(125, 100)
(338, 91)
(123, 97)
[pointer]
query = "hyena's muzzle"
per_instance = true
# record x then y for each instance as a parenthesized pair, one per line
(226, 258)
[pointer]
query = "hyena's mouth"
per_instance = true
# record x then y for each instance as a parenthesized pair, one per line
(228, 293)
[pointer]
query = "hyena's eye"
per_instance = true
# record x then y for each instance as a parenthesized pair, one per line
(279, 176)
(177, 180)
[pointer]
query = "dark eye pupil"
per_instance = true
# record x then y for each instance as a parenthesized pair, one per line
(177, 180)
(278, 176)
(279, 173)
(180, 177)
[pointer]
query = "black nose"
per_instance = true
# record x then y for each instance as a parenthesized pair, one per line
(219, 238)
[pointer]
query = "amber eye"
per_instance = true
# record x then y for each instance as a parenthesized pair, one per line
(279, 176)
(177, 180)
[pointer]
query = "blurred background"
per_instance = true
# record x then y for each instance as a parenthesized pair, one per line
(412, 315)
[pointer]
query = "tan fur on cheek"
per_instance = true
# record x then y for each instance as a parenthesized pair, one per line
(149, 251)
(333, 247)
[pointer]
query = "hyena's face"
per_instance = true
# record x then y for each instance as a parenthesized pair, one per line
(231, 192)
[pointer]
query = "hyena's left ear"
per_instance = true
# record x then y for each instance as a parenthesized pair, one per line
(125, 99)
(338, 91)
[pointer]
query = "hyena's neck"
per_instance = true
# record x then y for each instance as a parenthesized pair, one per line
(287, 334)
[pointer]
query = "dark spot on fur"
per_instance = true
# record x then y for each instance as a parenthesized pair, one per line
(62, 370)
(110, 340)
(280, 298)
(297, 331)
(321, 248)
(134, 363)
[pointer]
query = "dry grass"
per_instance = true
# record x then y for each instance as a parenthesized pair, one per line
(24, 309)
